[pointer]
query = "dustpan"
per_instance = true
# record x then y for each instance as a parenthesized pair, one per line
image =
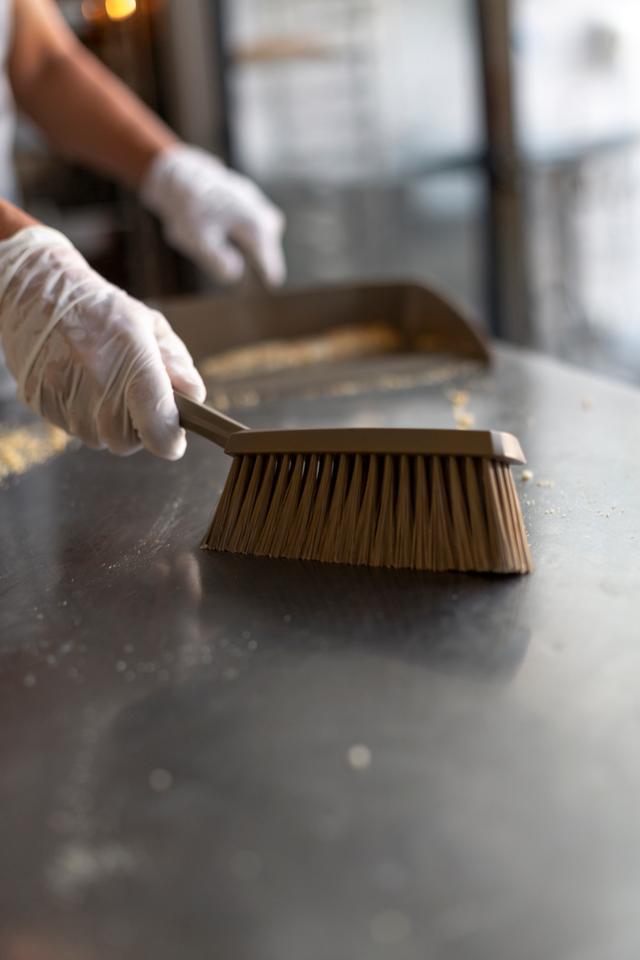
(427, 320)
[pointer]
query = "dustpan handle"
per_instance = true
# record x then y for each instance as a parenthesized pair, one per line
(209, 423)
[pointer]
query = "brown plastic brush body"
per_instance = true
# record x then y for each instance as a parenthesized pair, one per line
(422, 499)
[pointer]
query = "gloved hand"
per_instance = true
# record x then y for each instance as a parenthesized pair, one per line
(214, 215)
(86, 356)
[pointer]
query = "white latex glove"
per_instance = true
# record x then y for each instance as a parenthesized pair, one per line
(86, 356)
(214, 215)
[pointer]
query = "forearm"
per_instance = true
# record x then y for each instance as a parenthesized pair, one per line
(209, 213)
(89, 116)
(12, 219)
(84, 111)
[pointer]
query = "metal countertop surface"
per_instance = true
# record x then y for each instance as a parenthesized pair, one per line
(177, 778)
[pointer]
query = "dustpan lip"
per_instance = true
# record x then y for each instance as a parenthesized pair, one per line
(490, 444)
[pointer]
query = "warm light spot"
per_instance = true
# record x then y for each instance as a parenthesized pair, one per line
(120, 9)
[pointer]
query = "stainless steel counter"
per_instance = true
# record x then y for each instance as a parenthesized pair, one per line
(177, 772)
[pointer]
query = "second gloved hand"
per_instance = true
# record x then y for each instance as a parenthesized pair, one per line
(88, 357)
(213, 215)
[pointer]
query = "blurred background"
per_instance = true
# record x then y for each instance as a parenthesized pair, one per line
(489, 147)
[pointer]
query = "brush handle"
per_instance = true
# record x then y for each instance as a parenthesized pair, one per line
(209, 423)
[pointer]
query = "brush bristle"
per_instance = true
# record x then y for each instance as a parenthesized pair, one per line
(407, 511)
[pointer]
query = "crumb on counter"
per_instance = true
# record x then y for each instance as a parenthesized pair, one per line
(464, 419)
(458, 398)
(359, 757)
(160, 780)
(27, 447)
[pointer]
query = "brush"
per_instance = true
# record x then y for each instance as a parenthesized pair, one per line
(406, 498)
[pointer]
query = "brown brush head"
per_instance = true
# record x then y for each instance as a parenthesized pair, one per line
(426, 511)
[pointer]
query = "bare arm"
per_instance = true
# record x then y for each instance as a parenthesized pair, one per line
(85, 112)
(209, 213)
(12, 219)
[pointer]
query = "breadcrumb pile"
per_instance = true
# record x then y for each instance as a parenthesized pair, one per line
(27, 447)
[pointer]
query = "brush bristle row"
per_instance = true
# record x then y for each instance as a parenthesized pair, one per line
(407, 511)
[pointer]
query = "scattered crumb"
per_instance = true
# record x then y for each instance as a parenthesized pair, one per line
(248, 398)
(146, 666)
(463, 419)
(546, 483)
(458, 398)
(79, 866)
(359, 757)
(252, 645)
(28, 447)
(345, 389)
(586, 403)
(237, 395)
(526, 476)
(160, 780)
(29, 680)
(121, 666)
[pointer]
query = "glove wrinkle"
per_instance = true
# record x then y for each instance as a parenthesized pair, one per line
(56, 317)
